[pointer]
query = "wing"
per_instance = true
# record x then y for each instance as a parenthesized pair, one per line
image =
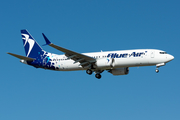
(21, 57)
(84, 60)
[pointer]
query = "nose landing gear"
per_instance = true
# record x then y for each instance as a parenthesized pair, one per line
(159, 65)
(157, 70)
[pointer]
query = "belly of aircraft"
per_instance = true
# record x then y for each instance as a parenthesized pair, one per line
(131, 62)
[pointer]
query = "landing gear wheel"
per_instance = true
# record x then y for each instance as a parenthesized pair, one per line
(98, 76)
(89, 71)
(157, 70)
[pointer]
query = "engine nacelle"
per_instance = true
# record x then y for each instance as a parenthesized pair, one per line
(120, 71)
(105, 63)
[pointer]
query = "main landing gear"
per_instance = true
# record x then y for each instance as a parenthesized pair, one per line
(89, 71)
(98, 75)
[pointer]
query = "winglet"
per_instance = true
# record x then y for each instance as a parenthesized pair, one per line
(46, 39)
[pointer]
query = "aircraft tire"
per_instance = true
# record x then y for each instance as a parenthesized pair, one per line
(89, 71)
(157, 70)
(98, 76)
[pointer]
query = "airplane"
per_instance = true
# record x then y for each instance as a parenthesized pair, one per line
(115, 62)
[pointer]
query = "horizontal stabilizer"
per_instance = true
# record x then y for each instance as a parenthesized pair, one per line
(21, 57)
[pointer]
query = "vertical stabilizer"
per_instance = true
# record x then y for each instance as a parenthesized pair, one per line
(32, 48)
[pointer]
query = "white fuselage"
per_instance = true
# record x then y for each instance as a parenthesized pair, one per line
(114, 62)
(124, 58)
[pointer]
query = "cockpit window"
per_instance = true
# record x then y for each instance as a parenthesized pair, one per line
(163, 52)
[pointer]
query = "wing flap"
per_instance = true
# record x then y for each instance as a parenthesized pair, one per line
(77, 57)
(70, 53)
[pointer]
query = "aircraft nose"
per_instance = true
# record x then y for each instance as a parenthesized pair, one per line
(170, 57)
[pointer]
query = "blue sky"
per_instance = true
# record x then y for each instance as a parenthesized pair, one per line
(90, 26)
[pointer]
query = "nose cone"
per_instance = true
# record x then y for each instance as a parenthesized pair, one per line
(170, 57)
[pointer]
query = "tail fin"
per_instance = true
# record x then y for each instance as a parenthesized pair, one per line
(32, 48)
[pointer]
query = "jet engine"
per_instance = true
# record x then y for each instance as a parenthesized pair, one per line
(119, 71)
(105, 63)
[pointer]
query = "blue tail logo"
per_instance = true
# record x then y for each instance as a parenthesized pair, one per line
(32, 48)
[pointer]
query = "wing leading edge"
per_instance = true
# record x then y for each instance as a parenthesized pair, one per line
(77, 57)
